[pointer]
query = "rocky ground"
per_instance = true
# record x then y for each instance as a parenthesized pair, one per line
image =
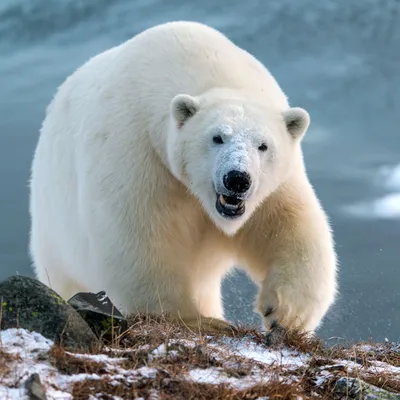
(99, 355)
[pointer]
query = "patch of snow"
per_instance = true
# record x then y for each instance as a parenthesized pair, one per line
(322, 378)
(144, 347)
(379, 366)
(375, 367)
(12, 394)
(173, 353)
(209, 375)
(147, 372)
(28, 345)
(160, 350)
(100, 358)
(22, 342)
(216, 376)
(153, 395)
(184, 342)
(365, 347)
(102, 297)
(255, 352)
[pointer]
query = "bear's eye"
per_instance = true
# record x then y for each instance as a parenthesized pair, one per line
(263, 147)
(218, 139)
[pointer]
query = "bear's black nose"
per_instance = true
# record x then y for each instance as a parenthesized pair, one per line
(237, 181)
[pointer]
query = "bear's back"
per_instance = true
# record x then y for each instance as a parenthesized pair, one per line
(192, 58)
(148, 70)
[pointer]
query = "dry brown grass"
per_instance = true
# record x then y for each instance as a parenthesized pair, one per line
(382, 380)
(170, 389)
(147, 334)
(186, 350)
(6, 361)
(67, 364)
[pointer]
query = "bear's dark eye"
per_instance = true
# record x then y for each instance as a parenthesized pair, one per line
(263, 147)
(218, 139)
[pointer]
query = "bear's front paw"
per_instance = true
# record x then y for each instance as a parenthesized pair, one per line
(269, 312)
(269, 309)
(271, 319)
(289, 307)
(279, 308)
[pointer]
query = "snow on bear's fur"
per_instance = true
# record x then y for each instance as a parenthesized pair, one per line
(166, 161)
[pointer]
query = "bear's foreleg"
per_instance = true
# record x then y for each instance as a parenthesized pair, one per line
(295, 267)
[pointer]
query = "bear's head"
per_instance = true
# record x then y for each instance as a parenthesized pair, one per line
(232, 154)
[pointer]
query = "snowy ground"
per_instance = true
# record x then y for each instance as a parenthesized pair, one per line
(236, 365)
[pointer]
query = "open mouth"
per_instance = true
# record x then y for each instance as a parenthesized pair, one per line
(230, 207)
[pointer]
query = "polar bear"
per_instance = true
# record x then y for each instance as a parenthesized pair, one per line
(166, 161)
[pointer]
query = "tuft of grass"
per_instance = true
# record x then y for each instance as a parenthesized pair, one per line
(6, 362)
(67, 364)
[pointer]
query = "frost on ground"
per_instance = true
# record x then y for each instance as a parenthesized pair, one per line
(157, 360)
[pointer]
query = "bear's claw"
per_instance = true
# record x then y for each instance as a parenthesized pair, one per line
(269, 311)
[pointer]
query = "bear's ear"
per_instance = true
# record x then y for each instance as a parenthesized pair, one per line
(297, 121)
(183, 107)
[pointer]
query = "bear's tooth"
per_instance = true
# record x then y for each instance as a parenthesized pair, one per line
(222, 200)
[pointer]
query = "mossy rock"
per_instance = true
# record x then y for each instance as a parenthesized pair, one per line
(27, 303)
(351, 388)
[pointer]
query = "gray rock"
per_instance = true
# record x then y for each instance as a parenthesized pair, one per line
(275, 338)
(27, 303)
(34, 388)
(101, 315)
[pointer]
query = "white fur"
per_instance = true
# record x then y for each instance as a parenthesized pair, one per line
(125, 175)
